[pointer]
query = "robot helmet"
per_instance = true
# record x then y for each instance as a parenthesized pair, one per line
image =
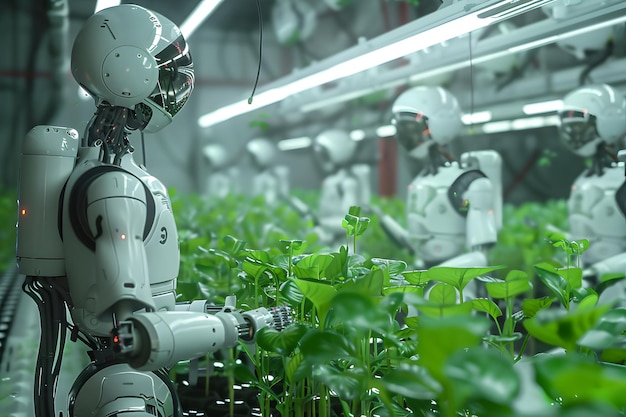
(590, 116)
(216, 155)
(263, 151)
(426, 113)
(132, 57)
(333, 148)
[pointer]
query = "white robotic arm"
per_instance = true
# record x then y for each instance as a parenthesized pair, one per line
(156, 340)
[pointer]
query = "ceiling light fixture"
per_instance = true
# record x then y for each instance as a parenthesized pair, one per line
(542, 107)
(105, 4)
(202, 11)
(294, 143)
(378, 51)
(477, 117)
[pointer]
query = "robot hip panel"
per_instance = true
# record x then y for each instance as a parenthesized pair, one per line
(118, 389)
(440, 248)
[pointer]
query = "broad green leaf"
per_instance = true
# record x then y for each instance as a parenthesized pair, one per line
(562, 328)
(348, 384)
(496, 339)
(259, 255)
(290, 245)
(319, 293)
(358, 312)
(283, 342)
(486, 306)
(442, 294)
(411, 381)
(290, 291)
(446, 310)
(481, 374)
(420, 278)
(370, 284)
(321, 346)
(608, 331)
(296, 370)
(555, 283)
(531, 306)
(580, 380)
(404, 289)
(515, 283)
(312, 266)
(440, 338)
(458, 277)
(393, 266)
(233, 245)
(610, 277)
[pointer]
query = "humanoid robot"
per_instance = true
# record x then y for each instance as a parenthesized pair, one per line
(453, 208)
(97, 237)
(593, 121)
(346, 184)
(270, 179)
(223, 178)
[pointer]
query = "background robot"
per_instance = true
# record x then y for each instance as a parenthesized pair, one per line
(345, 184)
(453, 207)
(593, 121)
(223, 177)
(112, 260)
(270, 179)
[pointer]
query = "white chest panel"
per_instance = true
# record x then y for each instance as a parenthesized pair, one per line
(434, 226)
(594, 213)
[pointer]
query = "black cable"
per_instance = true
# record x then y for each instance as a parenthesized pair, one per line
(258, 71)
(471, 71)
(143, 150)
(596, 61)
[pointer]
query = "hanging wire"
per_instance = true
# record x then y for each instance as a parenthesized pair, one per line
(258, 71)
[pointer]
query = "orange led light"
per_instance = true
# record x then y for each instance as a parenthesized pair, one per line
(23, 212)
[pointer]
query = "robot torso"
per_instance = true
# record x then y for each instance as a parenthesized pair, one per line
(594, 213)
(120, 241)
(436, 229)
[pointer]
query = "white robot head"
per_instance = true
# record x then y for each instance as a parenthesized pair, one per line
(263, 152)
(592, 115)
(334, 148)
(426, 114)
(132, 57)
(216, 155)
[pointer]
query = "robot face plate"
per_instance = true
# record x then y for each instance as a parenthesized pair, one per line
(579, 132)
(176, 77)
(411, 129)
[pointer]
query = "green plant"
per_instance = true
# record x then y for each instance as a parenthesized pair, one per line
(353, 350)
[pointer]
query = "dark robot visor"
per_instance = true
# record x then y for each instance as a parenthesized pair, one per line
(176, 77)
(577, 128)
(411, 129)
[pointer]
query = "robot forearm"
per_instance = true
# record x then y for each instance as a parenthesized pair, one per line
(153, 340)
(614, 264)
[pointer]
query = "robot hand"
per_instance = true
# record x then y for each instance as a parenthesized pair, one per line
(154, 340)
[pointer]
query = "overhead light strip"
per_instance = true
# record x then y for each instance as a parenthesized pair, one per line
(367, 60)
(105, 4)
(202, 11)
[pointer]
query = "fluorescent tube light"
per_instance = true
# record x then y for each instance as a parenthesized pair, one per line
(552, 39)
(202, 11)
(520, 124)
(478, 117)
(294, 143)
(386, 131)
(105, 4)
(357, 135)
(366, 60)
(542, 107)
